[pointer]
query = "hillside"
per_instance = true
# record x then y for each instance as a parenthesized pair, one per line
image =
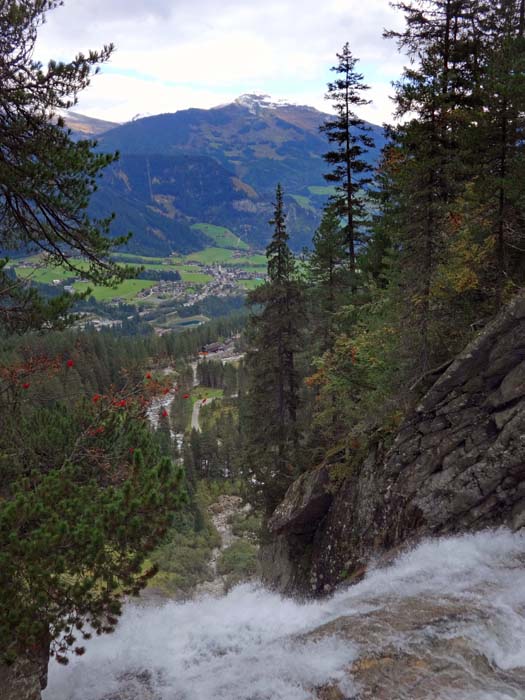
(84, 126)
(217, 166)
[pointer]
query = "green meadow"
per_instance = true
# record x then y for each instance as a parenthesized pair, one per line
(303, 202)
(221, 236)
(125, 290)
(321, 190)
(251, 284)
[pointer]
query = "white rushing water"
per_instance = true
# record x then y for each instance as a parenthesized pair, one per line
(253, 645)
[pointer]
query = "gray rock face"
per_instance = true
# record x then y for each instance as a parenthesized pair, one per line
(457, 463)
(306, 502)
(24, 679)
(288, 557)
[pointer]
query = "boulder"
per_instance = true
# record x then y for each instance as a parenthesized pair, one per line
(307, 501)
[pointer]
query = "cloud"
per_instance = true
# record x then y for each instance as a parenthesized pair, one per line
(173, 55)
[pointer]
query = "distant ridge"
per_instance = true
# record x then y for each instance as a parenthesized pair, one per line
(219, 166)
(88, 126)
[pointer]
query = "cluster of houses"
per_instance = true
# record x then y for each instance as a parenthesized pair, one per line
(225, 283)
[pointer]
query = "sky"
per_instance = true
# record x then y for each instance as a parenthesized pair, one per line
(175, 54)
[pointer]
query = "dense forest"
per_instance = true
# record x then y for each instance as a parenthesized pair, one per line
(410, 260)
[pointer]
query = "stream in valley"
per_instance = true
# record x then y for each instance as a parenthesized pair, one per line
(445, 621)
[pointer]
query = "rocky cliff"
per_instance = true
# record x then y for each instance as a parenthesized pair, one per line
(457, 463)
(25, 678)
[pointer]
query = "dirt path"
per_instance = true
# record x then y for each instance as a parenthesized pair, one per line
(196, 410)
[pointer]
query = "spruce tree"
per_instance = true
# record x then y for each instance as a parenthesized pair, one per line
(347, 132)
(499, 195)
(272, 400)
(454, 211)
(328, 274)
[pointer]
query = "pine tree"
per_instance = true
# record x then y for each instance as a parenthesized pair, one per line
(351, 141)
(84, 492)
(46, 178)
(85, 495)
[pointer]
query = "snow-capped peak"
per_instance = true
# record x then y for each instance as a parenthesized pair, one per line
(255, 102)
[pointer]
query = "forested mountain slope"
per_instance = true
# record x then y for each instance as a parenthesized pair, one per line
(217, 166)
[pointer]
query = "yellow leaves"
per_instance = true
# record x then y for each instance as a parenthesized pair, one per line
(316, 378)
(463, 269)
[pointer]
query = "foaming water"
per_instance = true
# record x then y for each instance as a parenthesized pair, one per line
(254, 645)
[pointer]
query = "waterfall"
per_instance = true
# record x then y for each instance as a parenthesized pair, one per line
(444, 621)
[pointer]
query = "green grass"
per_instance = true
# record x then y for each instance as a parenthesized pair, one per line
(43, 275)
(255, 260)
(221, 236)
(250, 284)
(208, 256)
(133, 258)
(157, 266)
(201, 392)
(174, 321)
(211, 255)
(303, 202)
(321, 189)
(126, 290)
(195, 277)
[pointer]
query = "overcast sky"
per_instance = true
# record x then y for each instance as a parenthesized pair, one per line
(175, 54)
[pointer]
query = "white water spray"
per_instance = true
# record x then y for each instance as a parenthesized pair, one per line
(254, 645)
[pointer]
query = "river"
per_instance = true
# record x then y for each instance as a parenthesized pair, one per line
(445, 621)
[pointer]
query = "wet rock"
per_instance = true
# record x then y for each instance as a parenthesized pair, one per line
(414, 652)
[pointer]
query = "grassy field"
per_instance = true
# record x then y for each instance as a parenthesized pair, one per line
(132, 259)
(321, 190)
(251, 261)
(194, 277)
(126, 290)
(208, 256)
(202, 392)
(303, 202)
(42, 275)
(251, 284)
(188, 321)
(221, 236)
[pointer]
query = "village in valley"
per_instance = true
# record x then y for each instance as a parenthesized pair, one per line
(170, 293)
(226, 281)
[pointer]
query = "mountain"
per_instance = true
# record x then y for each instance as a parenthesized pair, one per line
(219, 166)
(85, 127)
